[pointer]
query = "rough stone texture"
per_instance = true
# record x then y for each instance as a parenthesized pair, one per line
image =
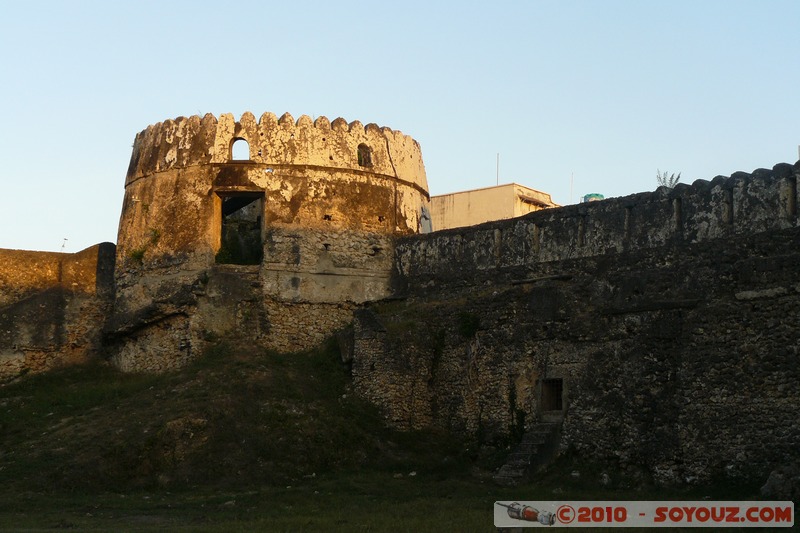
(783, 484)
(327, 266)
(673, 319)
(161, 347)
(52, 307)
(334, 196)
(194, 141)
(299, 326)
(24, 272)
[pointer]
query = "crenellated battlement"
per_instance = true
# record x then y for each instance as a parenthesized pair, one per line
(725, 207)
(277, 142)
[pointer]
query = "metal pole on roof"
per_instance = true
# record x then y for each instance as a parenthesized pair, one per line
(498, 169)
(571, 180)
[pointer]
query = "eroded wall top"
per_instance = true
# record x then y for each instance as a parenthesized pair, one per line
(185, 142)
(725, 207)
(25, 272)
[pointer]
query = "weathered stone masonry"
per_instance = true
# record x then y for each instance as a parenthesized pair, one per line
(668, 323)
(53, 307)
(314, 208)
(661, 329)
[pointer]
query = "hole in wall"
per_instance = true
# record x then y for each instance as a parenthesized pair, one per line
(728, 202)
(364, 155)
(627, 222)
(677, 214)
(552, 394)
(327, 217)
(240, 150)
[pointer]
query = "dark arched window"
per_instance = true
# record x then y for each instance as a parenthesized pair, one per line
(240, 150)
(364, 155)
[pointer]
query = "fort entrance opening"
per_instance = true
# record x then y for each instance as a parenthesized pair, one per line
(242, 228)
(552, 394)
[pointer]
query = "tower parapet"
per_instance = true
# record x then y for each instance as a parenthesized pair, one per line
(280, 142)
(311, 174)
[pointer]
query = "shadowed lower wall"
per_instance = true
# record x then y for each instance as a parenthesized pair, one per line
(670, 321)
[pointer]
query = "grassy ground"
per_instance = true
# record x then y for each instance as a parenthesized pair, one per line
(245, 440)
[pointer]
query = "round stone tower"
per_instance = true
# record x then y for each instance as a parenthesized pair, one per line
(269, 228)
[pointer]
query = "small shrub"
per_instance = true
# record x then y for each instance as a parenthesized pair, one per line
(137, 255)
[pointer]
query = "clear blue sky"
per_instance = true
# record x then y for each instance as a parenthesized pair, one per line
(605, 91)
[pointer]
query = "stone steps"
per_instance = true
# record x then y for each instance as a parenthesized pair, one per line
(537, 447)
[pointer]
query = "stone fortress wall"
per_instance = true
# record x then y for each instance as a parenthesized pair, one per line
(325, 201)
(662, 329)
(743, 204)
(52, 307)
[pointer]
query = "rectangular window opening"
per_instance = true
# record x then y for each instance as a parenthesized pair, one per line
(552, 394)
(241, 241)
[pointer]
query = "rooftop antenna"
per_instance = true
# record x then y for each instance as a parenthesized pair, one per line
(571, 181)
(64, 244)
(497, 182)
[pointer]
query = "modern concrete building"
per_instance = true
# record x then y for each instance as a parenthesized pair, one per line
(467, 208)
